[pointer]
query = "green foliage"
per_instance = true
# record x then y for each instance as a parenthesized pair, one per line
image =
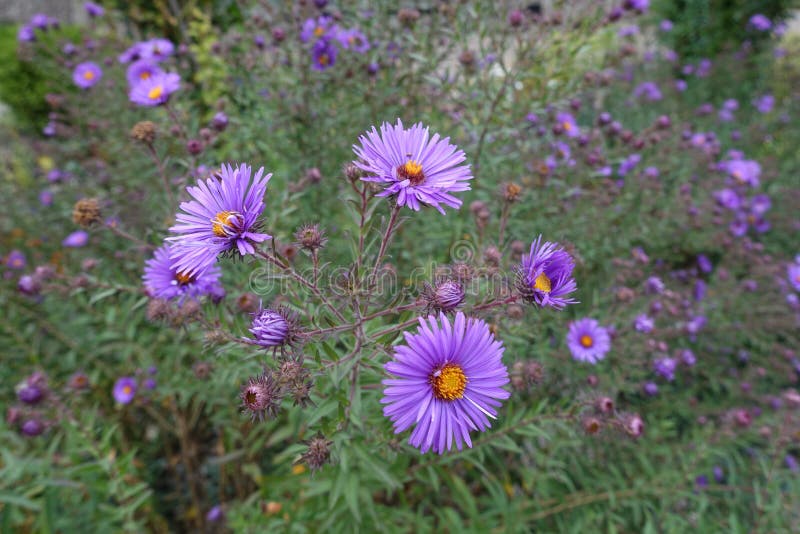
(23, 84)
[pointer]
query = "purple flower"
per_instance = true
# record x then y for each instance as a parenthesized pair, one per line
(124, 389)
(30, 394)
(40, 21)
(651, 172)
(323, 55)
(215, 514)
(156, 49)
(688, 357)
(650, 389)
(665, 25)
(272, 328)
(32, 428)
(155, 90)
(699, 290)
(450, 380)
(704, 263)
(765, 103)
(648, 90)
(26, 34)
(544, 277)
(728, 198)
(791, 463)
(141, 70)
(627, 31)
(681, 85)
(93, 10)
(643, 323)
(354, 40)
(86, 74)
(76, 239)
(588, 341)
(567, 123)
(744, 171)
(49, 130)
(665, 367)
(164, 282)
(220, 121)
(654, 285)
(16, 260)
(793, 273)
(760, 205)
(319, 28)
(418, 170)
(695, 324)
(133, 53)
(628, 164)
(222, 218)
(760, 22)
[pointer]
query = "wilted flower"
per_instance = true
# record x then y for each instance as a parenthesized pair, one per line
(588, 341)
(450, 378)
(417, 169)
(222, 218)
(261, 397)
(545, 277)
(318, 452)
(86, 212)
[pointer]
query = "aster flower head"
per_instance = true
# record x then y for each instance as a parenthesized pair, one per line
(760, 22)
(728, 198)
(124, 389)
(744, 171)
(156, 49)
(353, 39)
(93, 10)
(765, 103)
(261, 397)
(141, 70)
(644, 323)
(323, 55)
(76, 239)
(86, 74)
(222, 218)
(544, 277)
(273, 327)
(568, 124)
(665, 367)
(320, 28)
(26, 34)
(793, 273)
(416, 168)
(164, 282)
(16, 260)
(588, 341)
(155, 90)
(449, 379)
(445, 296)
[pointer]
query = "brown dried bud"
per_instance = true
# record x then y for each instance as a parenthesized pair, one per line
(144, 132)
(202, 370)
(515, 311)
(467, 58)
(604, 405)
(492, 256)
(247, 302)
(314, 175)
(310, 237)
(157, 310)
(352, 172)
(625, 294)
(408, 17)
(86, 212)
(272, 508)
(511, 192)
(318, 453)
(592, 425)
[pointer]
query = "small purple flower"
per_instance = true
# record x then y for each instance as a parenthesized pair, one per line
(793, 273)
(319, 29)
(76, 239)
(32, 428)
(681, 85)
(665, 25)
(760, 205)
(449, 380)
(141, 70)
(26, 34)
(701, 481)
(699, 292)
(791, 463)
(643, 323)
(744, 171)
(49, 130)
(271, 328)
(628, 164)
(648, 90)
(417, 169)
(164, 282)
(215, 514)
(765, 103)
(588, 341)
(323, 55)
(354, 40)
(30, 394)
(728, 198)
(650, 389)
(131, 54)
(40, 21)
(86, 74)
(627, 31)
(222, 218)
(16, 260)
(665, 367)
(220, 121)
(688, 357)
(651, 172)
(155, 90)
(94, 10)
(544, 278)
(704, 264)
(567, 123)
(654, 285)
(695, 324)
(719, 474)
(124, 389)
(156, 49)
(760, 22)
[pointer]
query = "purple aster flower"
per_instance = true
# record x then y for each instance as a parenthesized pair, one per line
(793, 273)
(628, 164)
(688, 357)
(29, 285)
(654, 285)
(643, 323)
(704, 263)
(681, 85)
(40, 21)
(650, 389)
(695, 324)
(699, 292)
(744, 171)
(133, 53)
(222, 218)
(651, 172)
(124, 389)
(665, 25)
(760, 205)
(86, 74)
(164, 282)
(318, 28)
(16, 260)
(728, 198)
(220, 121)
(142, 69)
(648, 90)
(26, 34)
(765, 103)
(68, 49)
(353, 39)
(627, 31)
(588, 341)
(272, 328)
(567, 123)
(215, 514)
(155, 90)
(760, 22)
(94, 10)
(450, 380)
(156, 49)
(76, 239)
(791, 463)
(417, 169)
(665, 367)
(544, 277)
(323, 55)
(30, 394)
(32, 428)
(701, 481)
(49, 130)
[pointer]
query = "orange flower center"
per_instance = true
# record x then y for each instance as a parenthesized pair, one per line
(587, 341)
(88, 75)
(411, 171)
(449, 382)
(323, 59)
(127, 390)
(156, 92)
(226, 223)
(542, 283)
(566, 125)
(145, 75)
(318, 31)
(183, 278)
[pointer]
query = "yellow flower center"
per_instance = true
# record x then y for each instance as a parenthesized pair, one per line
(751, 219)
(226, 223)
(318, 31)
(127, 390)
(156, 92)
(411, 171)
(566, 125)
(542, 283)
(323, 59)
(587, 341)
(449, 382)
(183, 278)
(145, 75)
(88, 75)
